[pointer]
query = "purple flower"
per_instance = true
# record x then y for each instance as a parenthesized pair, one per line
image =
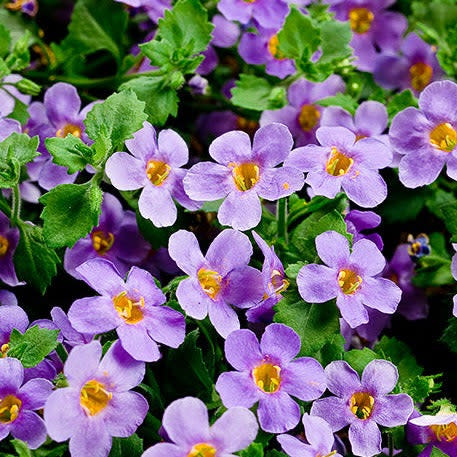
(97, 404)
(244, 173)
(9, 238)
(116, 238)
(454, 274)
(274, 283)
(319, 436)
(350, 277)
(68, 334)
(132, 307)
(18, 404)
(29, 7)
(413, 304)
(11, 317)
(372, 28)
(216, 123)
(268, 13)
(343, 162)
(302, 115)
(58, 116)
(7, 298)
(363, 404)
(186, 423)
(267, 373)
(154, 167)
(426, 137)
(8, 94)
(218, 280)
(415, 68)
(225, 33)
(262, 48)
(436, 431)
(359, 221)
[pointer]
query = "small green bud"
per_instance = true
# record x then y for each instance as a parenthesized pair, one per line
(26, 86)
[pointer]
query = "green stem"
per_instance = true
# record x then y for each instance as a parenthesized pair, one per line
(4, 207)
(16, 202)
(281, 216)
(390, 440)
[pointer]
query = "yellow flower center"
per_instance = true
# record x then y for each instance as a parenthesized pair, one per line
(245, 175)
(102, 241)
(157, 171)
(327, 455)
(9, 409)
(443, 137)
(267, 378)
(273, 48)
(338, 164)
(4, 245)
(4, 348)
(309, 117)
(210, 282)
(447, 432)
(349, 281)
(94, 397)
(420, 75)
(361, 405)
(360, 19)
(67, 129)
(359, 136)
(202, 450)
(130, 310)
(278, 283)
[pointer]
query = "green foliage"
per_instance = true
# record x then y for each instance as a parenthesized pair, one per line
(69, 152)
(437, 453)
(335, 38)
(449, 336)
(253, 450)
(258, 94)
(70, 211)
(399, 102)
(34, 261)
(32, 346)
(360, 358)
(131, 447)
(343, 100)
(5, 40)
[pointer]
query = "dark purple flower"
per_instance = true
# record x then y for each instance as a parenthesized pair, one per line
(9, 238)
(372, 28)
(359, 221)
(154, 167)
(427, 137)
(98, 403)
(134, 308)
(351, 277)
(262, 48)
(7, 298)
(198, 85)
(218, 280)
(244, 173)
(187, 426)
(415, 68)
(29, 7)
(302, 115)
(363, 404)
(268, 373)
(343, 162)
(319, 436)
(18, 404)
(116, 238)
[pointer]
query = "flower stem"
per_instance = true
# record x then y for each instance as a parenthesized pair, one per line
(281, 216)
(16, 203)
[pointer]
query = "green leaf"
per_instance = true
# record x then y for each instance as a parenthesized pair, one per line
(298, 36)
(258, 94)
(449, 336)
(438, 453)
(34, 261)
(401, 101)
(131, 447)
(316, 324)
(32, 346)
(21, 448)
(5, 40)
(20, 146)
(116, 119)
(253, 450)
(67, 152)
(70, 212)
(19, 59)
(360, 358)
(97, 25)
(160, 100)
(335, 38)
(332, 350)
(345, 101)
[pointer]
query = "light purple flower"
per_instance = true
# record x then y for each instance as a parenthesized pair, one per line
(372, 28)
(363, 404)
(268, 373)
(302, 115)
(319, 436)
(358, 222)
(262, 48)
(8, 94)
(11, 317)
(343, 162)
(244, 173)
(29, 7)
(9, 238)
(225, 33)
(268, 13)
(427, 137)
(415, 68)
(132, 307)
(7, 298)
(351, 277)
(218, 280)
(186, 423)
(98, 403)
(116, 238)
(68, 334)
(154, 167)
(18, 404)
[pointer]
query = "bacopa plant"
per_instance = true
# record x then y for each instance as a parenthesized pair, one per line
(228, 228)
